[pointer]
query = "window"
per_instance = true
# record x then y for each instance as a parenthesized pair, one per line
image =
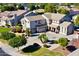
(50, 21)
(35, 21)
(39, 22)
(25, 21)
(62, 29)
(65, 30)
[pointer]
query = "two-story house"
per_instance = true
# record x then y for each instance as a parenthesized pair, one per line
(53, 20)
(34, 23)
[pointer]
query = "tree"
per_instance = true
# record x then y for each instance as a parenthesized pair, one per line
(63, 41)
(28, 32)
(32, 7)
(7, 35)
(43, 38)
(19, 6)
(17, 41)
(42, 6)
(50, 8)
(63, 11)
(7, 8)
(76, 21)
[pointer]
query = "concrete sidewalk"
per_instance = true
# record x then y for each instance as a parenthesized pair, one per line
(9, 50)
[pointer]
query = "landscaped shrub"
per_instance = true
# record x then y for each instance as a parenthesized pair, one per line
(7, 35)
(55, 41)
(46, 46)
(63, 41)
(43, 38)
(17, 41)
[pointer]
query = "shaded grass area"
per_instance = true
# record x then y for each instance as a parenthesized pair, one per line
(36, 50)
(46, 52)
(3, 29)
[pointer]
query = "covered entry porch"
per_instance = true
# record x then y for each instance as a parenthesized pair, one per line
(54, 28)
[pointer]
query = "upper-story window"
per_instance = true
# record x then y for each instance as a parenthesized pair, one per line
(39, 22)
(25, 21)
(35, 21)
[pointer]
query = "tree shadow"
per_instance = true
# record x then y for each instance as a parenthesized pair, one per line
(31, 48)
(52, 41)
(71, 48)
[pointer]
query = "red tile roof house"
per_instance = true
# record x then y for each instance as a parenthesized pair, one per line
(11, 17)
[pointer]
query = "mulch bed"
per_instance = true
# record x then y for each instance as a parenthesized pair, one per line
(64, 51)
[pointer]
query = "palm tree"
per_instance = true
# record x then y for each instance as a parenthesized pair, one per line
(43, 38)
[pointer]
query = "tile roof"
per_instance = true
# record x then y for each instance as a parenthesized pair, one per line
(34, 18)
(54, 16)
(65, 24)
(8, 13)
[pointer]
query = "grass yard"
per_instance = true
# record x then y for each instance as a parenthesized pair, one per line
(2, 29)
(45, 52)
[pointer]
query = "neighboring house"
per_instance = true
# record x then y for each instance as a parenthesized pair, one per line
(11, 17)
(54, 19)
(66, 28)
(34, 23)
(74, 11)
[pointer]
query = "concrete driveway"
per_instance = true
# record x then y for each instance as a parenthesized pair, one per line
(54, 36)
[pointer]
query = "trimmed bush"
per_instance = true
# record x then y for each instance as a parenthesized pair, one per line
(63, 41)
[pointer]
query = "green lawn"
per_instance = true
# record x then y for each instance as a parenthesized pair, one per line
(2, 29)
(45, 52)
